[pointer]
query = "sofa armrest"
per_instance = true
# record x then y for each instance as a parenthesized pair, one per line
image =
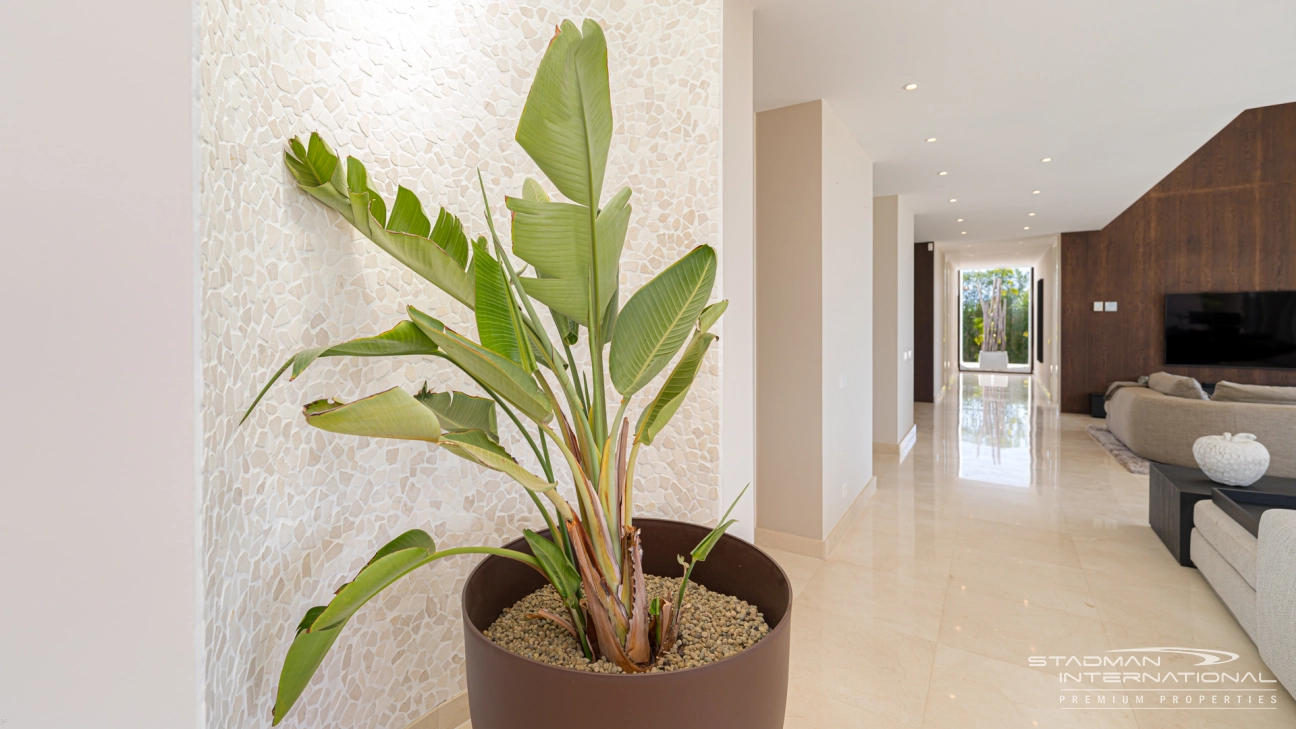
(1276, 594)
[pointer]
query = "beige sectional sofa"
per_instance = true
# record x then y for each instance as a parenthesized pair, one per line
(1163, 428)
(1256, 579)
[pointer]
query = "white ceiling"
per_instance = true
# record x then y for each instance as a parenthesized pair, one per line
(1117, 92)
(1012, 253)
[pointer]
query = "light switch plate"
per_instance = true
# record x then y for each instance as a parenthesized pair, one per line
(841, 383)
(1109, 306)
(1098, 306)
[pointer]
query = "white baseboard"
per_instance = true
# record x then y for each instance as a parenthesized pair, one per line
(902, 448)
(450, 714)
(818, 548)
(910, 440)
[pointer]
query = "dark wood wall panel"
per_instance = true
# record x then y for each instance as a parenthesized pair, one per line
(1224, 220)
(924, 323)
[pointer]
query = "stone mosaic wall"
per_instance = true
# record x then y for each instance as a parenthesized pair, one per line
(424, 92)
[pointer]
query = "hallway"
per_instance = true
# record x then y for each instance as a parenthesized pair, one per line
(1008, 533)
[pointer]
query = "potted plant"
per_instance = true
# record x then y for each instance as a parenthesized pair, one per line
(594, 554)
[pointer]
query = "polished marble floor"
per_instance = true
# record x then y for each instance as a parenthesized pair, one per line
(1008, 533)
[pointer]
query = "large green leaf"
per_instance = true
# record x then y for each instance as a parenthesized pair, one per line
(393, 413)
(566, 125)
(428, 260)
(475, 446)
(304, 658)
(374, 578)
(449, 234)
(656, 321)
(321, 626)
(499, 321)
(566, 128)
(711, 315)
(503, 376)
(404, 235)
(425, 323)
(558, 240)
(412, 538)
(560, 571)
(407, 215)
(668, 401)
(363, 197)
(533, 191)
(402, 340)
(457, 411)
(317, 171)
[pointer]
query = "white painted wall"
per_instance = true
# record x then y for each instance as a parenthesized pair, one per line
(789, 329)
(892, 301)
(847, 259)
(939, 374)
(97, 447)
(813, 236)
(737, 276)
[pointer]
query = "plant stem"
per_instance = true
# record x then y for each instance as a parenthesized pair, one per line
(595, 523)
(525, 559)
(598, 417)
(548, 465)
(627, 507)
(571, 363)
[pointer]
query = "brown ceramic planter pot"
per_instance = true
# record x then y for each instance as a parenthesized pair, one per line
(744, 691)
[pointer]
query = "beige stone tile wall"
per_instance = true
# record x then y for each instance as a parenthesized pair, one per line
(424, 92)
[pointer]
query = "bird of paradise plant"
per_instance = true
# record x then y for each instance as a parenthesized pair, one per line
(592, 556)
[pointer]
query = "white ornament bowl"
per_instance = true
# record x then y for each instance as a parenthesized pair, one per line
(1233, 460)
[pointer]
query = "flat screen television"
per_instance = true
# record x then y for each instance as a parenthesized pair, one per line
(1245, 329)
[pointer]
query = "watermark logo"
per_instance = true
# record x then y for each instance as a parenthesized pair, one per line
(1161, 677)
(1208, 657)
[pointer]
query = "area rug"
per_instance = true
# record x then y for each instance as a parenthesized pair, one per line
(1131, 461)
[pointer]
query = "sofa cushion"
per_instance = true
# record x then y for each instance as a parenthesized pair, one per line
(1276, 594)
(1177, 386)
(1163, 429)
(1240, 598)
(1233, 392)
(1234, 543)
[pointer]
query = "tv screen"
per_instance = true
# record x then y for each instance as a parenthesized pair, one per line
(1248, 329)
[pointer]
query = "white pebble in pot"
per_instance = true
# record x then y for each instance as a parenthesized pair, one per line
(1233, 460)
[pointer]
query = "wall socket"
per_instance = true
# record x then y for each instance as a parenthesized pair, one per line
(843, 489)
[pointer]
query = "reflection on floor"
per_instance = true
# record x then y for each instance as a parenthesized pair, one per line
(1007, 533)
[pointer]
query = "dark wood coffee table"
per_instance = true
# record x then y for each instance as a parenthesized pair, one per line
(1173, 491)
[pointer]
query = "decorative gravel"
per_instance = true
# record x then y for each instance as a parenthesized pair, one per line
(713, 626)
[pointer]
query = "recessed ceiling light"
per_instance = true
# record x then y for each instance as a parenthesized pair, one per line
(959, 220)
(942, 173)
(1026, 227)
(963, 233)
(1035, 192)
(953, 199)
(1047, 159)
(1030, 214)
(931, 139)
(910, 87)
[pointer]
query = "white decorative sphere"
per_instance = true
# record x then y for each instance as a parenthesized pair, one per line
(1233, 460)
